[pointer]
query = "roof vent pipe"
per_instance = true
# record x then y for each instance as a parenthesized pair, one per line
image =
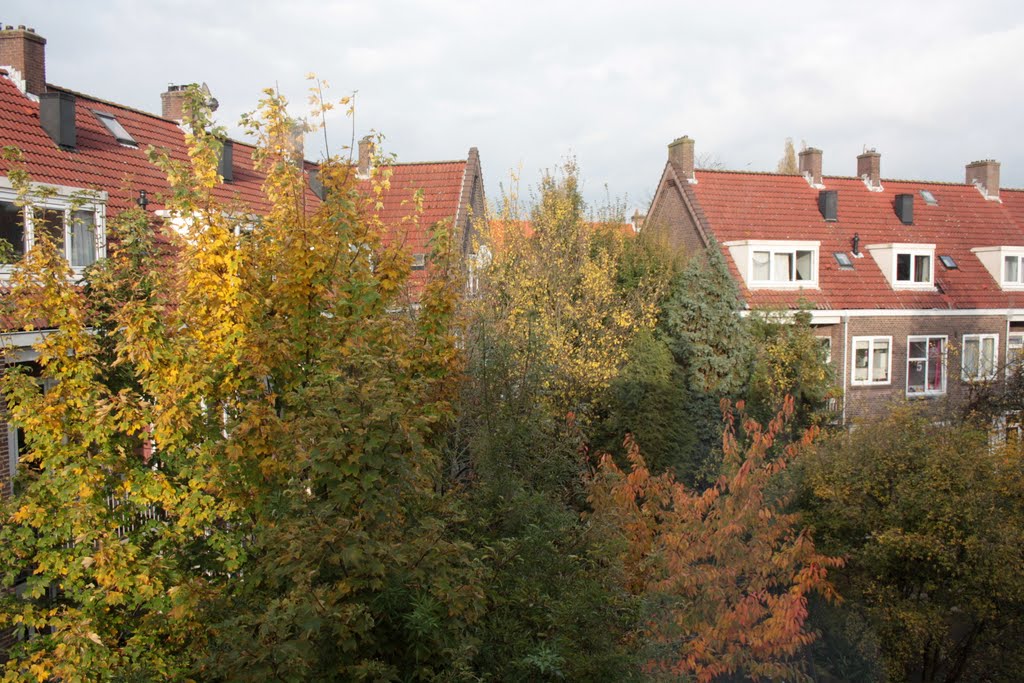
(856, 244)
(57, 117)
(905, 208)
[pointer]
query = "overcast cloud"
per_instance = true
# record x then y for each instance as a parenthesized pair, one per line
(932, 85)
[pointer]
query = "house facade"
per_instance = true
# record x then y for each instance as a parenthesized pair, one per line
(916, 288)
(77, 145)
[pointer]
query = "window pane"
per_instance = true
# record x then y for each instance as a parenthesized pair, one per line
(971, 357)
(1014, 350)
(860, 362)
(804, 265)
(988, 356)
(936, 366)
(761, 266)
(915, 376)
(1012, 269)
(903, 267)
(880, 371)
(918, 350)
(783, 268)
(922, 268)
(50, 221)
(83, 238)
(12, 229)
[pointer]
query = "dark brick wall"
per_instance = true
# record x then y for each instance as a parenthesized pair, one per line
(873, 402)
(670, 220)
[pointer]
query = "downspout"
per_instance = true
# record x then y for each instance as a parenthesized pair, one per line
(846, 351)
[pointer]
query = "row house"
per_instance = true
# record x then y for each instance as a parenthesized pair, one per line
(73, 143)
(916, 288)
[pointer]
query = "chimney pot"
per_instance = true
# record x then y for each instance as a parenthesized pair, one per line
(365, 155)
(810, 165)
(869, 169)
(172, 102)
(680, 155)
(984, 175)
(25, 51)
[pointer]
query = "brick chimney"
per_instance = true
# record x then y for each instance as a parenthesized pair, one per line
(810, 166)
(869, 169)
(365, 155)
(24, 50)
(984, 175)
(172, 102)
(680, 155)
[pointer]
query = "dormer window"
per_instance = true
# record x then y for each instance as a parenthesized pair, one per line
(906, 266)
(913, 267)
(73, 218)
(776, 264)
(1005, 264)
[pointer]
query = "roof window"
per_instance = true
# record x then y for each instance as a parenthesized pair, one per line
(116, 129)
(843, 259)
(929, 198)
(948, 261)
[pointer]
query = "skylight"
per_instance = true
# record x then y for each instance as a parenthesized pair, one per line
(116, 129)
(949, 262)
(929, 198)
(843, 260)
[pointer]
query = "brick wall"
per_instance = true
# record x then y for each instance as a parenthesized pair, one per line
(873, 402)
(25, 50)
(670, 219)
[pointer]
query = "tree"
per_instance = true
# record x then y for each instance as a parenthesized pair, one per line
(930, 519)
(789, 362)
(548, 335)
(787, 164)
(278, 423)
(726, 573)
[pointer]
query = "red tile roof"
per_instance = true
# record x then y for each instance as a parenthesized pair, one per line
(99, 162)
(765, 206)
(441, 185)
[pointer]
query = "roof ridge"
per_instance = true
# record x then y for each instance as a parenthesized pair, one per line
(134, 110)
(424, 163)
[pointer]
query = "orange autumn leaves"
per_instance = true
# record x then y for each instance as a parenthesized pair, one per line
(726, 573)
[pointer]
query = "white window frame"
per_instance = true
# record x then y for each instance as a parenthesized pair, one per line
(994, 369)
(913, 254)
(1014, 352)
(887, 256)
(994, 260)
(926, 338)
(59, 198)
(870, 382)
(742, 252)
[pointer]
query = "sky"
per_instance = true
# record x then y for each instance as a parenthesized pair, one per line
(932, 85)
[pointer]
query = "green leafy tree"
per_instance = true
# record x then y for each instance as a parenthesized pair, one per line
(929, 517)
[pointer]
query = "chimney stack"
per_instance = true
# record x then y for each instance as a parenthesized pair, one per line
(984, 175)
(365, 155)
(172, 102)
(869, 169)
(810, 166)
(24, 51)
(680, 155)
